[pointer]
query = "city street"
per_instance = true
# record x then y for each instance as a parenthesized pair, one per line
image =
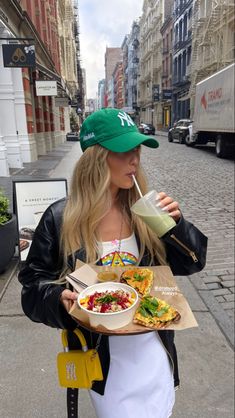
(204, 187)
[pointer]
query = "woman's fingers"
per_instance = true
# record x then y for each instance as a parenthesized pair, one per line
(169, 205)
(68, 294)
(67, 298)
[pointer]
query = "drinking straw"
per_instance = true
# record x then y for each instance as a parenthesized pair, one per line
(137, 186)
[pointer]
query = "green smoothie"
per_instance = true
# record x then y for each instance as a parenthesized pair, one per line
(160, 224)
(159, 221)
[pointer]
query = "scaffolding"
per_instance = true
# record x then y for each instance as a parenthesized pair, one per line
(212, 39)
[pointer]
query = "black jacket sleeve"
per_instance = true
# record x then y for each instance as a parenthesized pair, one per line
(40, 296)
(186, 248)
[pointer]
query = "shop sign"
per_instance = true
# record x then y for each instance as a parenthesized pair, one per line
(46, 88)
(16, 55)
(166, 94)
(61, 102)
(156, 93)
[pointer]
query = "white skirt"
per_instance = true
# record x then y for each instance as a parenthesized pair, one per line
(140, 379)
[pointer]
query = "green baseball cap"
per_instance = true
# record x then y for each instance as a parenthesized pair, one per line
(113, 129)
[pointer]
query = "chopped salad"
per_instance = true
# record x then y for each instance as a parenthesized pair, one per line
(108, 301)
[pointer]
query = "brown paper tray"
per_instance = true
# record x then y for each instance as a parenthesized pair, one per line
(164, 287)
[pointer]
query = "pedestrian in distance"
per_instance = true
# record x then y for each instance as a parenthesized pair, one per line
(94, 225)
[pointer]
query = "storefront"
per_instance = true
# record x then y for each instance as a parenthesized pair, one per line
(166, 109)
(30, 124)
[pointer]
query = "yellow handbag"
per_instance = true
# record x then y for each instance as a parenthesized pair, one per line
(78, 368)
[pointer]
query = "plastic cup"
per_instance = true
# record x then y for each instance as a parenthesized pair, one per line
(155, 217)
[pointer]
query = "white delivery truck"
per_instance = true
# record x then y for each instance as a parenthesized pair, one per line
(213, 119)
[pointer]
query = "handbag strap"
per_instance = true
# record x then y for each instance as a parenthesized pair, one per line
(79, 334)
(98, 342)
(72, 403)
(72, 393)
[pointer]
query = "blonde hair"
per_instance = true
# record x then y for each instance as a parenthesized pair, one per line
(90, 200)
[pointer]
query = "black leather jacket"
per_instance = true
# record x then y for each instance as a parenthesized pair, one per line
(186, 254)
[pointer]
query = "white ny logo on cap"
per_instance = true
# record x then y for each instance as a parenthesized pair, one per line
(124, 117)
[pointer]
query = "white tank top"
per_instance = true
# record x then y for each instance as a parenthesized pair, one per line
(120, 253)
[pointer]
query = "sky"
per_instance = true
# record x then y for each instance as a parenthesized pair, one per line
(103, 23)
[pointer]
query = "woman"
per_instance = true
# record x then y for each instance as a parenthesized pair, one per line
(96, 225)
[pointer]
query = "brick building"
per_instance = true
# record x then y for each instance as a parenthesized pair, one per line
(112, 56)
(37, 123)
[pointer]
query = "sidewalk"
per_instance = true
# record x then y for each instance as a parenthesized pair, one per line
(28, 377)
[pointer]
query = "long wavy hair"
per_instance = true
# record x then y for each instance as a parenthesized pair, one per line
(90, 200)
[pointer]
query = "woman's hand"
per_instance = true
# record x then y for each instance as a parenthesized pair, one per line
(67, 298)
(169, 205)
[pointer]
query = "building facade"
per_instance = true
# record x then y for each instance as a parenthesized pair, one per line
(118, 85)
(150, 69)
(37, 122)
(124, 47)
(166, 87)
(131, 67)
(112, 56)
(101, 94)
(182, 51)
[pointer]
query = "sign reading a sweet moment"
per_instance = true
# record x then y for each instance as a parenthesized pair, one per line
(31, 199)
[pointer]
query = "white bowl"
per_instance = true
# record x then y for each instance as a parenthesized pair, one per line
(112, 320)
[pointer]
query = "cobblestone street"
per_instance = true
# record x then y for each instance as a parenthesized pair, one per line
(204, 187)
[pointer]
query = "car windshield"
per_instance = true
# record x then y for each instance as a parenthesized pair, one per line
(184, 123)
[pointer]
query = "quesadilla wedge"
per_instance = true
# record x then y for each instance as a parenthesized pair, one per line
(155, 313)
(141, 279)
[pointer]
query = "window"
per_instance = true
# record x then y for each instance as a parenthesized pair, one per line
(189, 55)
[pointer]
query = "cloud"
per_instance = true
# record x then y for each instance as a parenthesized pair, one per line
(103, 23)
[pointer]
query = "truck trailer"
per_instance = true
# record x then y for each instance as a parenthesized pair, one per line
(213, 119)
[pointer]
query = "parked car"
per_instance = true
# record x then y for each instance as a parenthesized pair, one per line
(147, 129)
(72, 136)
(180, 130)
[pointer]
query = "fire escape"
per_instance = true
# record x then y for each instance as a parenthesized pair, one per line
(211, 49)
(80, 91)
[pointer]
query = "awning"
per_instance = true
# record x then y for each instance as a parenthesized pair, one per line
(49, 73)
(54, 76)
(186, 97)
